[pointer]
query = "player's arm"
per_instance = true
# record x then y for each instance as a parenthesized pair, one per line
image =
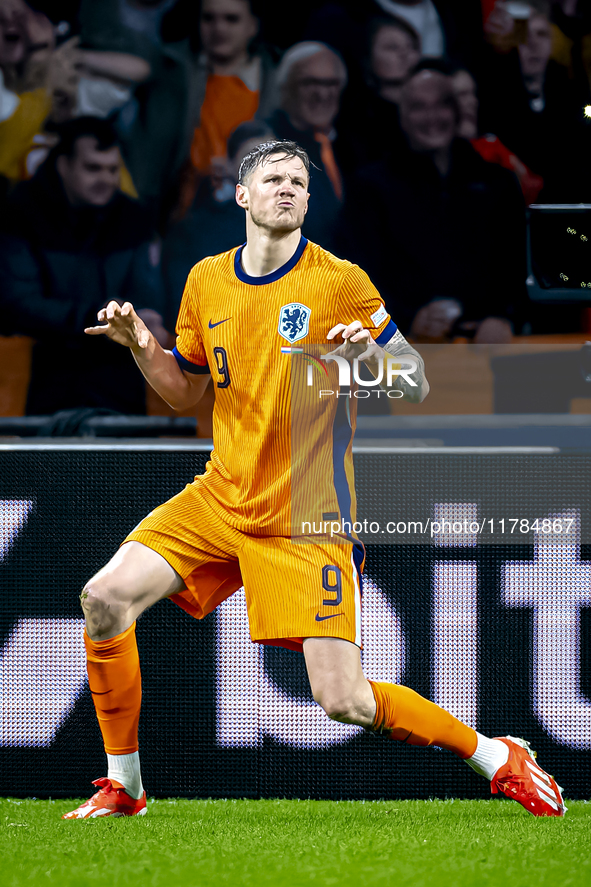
(121, 324)
(374, 338)
(407, 374)
(408, 357)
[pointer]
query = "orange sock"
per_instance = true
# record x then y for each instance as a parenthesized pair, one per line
(116, 687)
(404, 715)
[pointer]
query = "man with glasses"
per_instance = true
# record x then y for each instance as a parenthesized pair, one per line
(311, 78)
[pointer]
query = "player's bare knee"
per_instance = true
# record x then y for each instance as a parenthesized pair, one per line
(101, 608)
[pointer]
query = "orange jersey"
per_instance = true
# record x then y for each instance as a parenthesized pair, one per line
(282, 449)
(228, 102)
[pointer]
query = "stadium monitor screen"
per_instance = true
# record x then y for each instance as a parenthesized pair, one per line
(559, 252)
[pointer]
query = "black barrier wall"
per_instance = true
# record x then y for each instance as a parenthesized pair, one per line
(497, 633)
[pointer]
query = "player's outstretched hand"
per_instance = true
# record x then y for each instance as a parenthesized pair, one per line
(358, 342)
(122, 325)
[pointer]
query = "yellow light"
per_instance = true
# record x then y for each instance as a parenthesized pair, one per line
(587, 111)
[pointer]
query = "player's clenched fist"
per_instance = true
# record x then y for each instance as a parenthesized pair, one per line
(122, 326)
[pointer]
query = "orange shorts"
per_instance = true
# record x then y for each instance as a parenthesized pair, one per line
(294, 589)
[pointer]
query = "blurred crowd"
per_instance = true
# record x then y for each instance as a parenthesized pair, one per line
(431, 124)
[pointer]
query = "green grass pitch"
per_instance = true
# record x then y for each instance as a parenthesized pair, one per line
(259, 843)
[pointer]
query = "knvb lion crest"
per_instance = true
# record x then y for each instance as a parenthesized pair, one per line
(294, 320)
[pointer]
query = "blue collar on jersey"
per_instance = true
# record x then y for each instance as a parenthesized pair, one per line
(274, 275)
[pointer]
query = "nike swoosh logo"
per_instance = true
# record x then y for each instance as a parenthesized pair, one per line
(217, 323)
(322, 618)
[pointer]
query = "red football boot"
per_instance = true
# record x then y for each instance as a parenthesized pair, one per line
(109, 801)
(524, 781)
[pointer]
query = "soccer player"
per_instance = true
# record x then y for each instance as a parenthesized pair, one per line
(242, 312)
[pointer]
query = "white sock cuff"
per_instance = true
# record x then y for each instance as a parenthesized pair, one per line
(126, 770)
(489, 756)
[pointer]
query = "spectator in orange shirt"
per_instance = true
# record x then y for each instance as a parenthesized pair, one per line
(234, 84)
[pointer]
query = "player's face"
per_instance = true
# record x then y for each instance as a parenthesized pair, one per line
(276, 194)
